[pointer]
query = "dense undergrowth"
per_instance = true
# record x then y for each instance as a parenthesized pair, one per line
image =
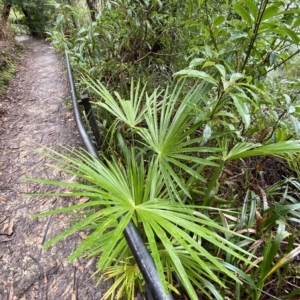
(9, 54)
(198, 104)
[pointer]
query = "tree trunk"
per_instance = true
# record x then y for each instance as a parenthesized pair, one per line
(93, 9)
(5, 12)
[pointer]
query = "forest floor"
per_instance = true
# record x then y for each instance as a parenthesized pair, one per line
(32, 115)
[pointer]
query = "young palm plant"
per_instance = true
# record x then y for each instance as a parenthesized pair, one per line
(156, 177)
(174, 233)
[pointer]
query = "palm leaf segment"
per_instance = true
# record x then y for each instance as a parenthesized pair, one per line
(173, 230)
(164, 125)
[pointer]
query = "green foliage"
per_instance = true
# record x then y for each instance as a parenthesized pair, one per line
(34, 16)
(131, 39)
(137, 193)
(8, 60)
(199, 109)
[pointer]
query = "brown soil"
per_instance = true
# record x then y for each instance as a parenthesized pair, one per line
(33, 114)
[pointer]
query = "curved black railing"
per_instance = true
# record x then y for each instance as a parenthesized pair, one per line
(154, 287)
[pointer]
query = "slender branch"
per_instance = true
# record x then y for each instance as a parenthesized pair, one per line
(163, 54)
(220, 96)
(267, 56)
(209, 27)
(278, 65)
(118, 72)
(273, 47)
(255, 31)
(268, 136)
(274, 127)
(145, 36)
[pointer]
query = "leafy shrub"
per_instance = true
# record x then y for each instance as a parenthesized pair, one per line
(33, 16)
(9, 53)
(144, 40)
(189, 161)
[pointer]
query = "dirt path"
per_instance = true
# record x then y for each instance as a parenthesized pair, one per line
(33, 114)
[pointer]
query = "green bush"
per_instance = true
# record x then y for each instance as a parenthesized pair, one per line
(9, 54)
(144, 40)
(191, 130)
(32, 17)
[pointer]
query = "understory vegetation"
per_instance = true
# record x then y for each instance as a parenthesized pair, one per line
(9, 53)
(198, 105)
(19, 17)
(33, 17)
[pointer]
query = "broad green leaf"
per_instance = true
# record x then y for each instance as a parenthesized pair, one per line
(283, 31)
(296, 23)
(196, 62)
(208, 64)
(242, 12)
(270, 12)
(241, 105)
(243, 150)
(197, 74)
(221, 69)
(218, 21)
(236, 76)
(252, 6)
(296, 124)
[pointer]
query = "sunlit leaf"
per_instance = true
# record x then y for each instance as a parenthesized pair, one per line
(197, 74)
(240, 102)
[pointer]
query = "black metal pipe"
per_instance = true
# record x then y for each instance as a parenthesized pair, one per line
(138, 248)
(84, 135)
(85, 101)
(145, 263)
